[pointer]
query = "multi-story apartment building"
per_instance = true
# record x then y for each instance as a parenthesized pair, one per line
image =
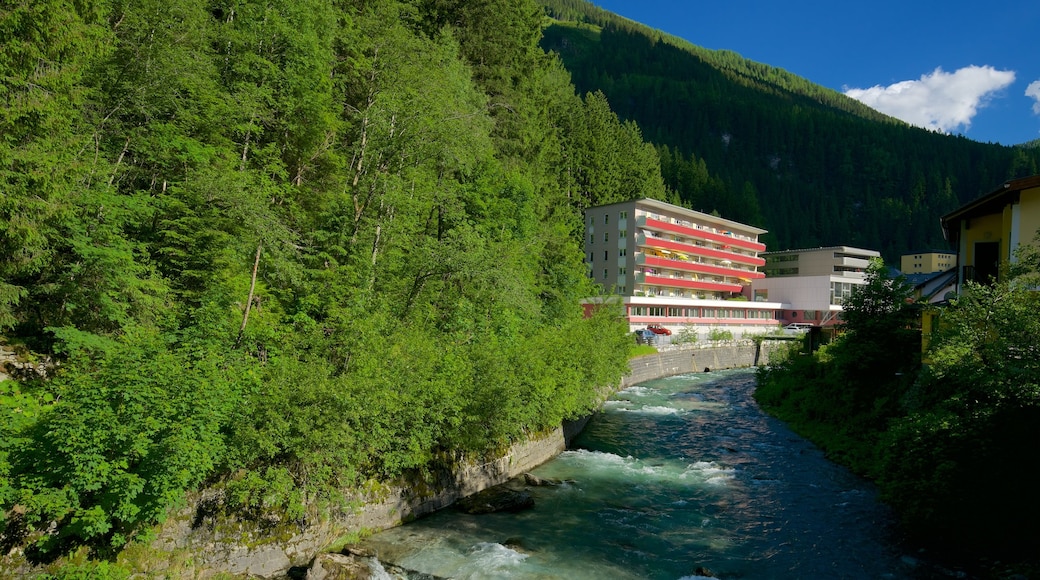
(812, 283)
(677, 267)
(927, 262)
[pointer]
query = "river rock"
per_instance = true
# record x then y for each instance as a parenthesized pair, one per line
(535, 481)
(496, 499)
(339, 567)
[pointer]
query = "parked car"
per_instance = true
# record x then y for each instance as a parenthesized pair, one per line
(658, 329)
(645, 336)
(797, 328)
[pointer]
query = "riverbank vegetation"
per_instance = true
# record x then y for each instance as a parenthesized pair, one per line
(949, 443)
(286, 247)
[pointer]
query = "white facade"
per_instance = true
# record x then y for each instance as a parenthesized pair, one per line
(812, 284)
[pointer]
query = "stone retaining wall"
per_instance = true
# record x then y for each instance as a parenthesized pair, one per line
(241, 548)
(696, 358)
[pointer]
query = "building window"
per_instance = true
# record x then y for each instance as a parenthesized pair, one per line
(590, 237)
(840, 291)
(656, 310)
(606, 218)
(675, 312)
(604, 273)
(637, 311)
(621, 272)
(623, 234)
(623, 252)
(606, 236)
(623, 215)
(590, 256)
(620, 289)
(606, 254)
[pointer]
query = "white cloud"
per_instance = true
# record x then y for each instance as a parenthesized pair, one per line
(940, 101)
(1033, 90)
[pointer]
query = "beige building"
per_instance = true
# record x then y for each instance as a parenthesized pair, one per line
(676, 267)
(927, 262)
(843, 261)
(812, 284)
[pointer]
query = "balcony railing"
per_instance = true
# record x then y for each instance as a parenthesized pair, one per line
(658, 279)
(693, 230)
(687, 265)
(687, 249)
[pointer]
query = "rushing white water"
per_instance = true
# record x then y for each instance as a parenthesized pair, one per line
(673, 478)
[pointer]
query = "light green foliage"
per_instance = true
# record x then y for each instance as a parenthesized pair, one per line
(686, 335)
(398, 167)
(716, 333)
(132, 428)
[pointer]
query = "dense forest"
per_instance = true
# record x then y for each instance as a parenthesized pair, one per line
(763, 146)
(287, 247)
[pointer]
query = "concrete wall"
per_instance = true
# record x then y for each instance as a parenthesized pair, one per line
(694, 359)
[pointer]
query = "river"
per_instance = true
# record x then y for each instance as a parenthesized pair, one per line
(672, 477)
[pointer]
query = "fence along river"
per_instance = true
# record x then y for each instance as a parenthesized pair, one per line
(673, 478)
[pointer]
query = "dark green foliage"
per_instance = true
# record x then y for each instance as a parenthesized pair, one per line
(948, 445)
(763, 146)
(844, 394)
(954, 464)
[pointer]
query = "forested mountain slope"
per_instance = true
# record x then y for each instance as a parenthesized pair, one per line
(763, 146)
(286, 247)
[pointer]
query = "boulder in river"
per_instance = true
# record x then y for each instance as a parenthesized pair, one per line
(535, 481)
(496, 499)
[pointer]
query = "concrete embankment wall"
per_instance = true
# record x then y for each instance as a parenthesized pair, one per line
(248, 549)
(695, 359)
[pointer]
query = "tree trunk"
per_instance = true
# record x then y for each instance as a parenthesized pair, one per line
(249, 301)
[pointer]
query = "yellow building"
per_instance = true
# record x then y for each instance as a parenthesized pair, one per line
(927, 262)
(987, 231)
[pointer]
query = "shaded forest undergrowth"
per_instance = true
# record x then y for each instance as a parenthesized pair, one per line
(949, 443)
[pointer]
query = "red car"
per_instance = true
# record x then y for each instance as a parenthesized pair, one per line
(658, 329)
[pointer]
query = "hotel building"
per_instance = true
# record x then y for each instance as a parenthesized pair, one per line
(677, 267)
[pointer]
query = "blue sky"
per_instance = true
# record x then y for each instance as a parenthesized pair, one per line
(968, 68)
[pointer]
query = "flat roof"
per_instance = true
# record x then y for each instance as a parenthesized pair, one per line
(826, 248)
(700, 216)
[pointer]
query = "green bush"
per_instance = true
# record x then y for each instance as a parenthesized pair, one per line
(132, 429)
(716, 333)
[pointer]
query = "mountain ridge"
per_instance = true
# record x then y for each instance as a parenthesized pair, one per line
(766, 147)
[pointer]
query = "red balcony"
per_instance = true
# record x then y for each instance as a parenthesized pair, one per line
(721, 238)
(686, 266)
(653, 280)
(653, 242)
